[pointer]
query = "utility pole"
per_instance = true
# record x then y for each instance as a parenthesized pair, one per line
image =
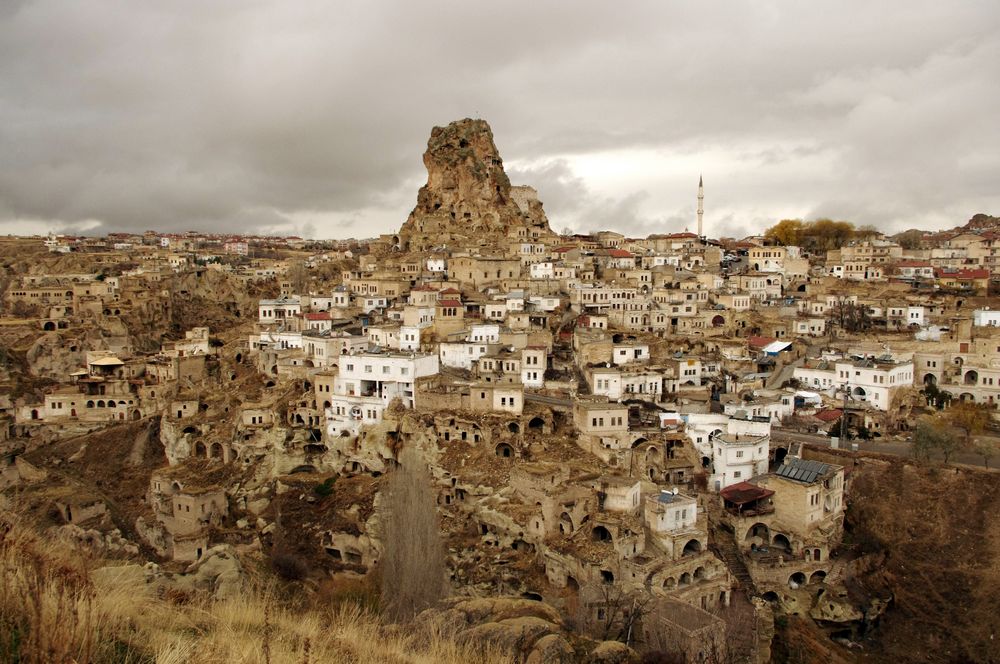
(844, 434)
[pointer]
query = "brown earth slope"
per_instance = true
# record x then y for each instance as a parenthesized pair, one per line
(941, 539)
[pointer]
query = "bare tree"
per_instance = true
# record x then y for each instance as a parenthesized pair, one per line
(609, 611)
(412, 564)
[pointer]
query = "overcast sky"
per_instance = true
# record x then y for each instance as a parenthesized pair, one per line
(310, 117)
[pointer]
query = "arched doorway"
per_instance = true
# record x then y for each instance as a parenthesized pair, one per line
(199, 449)
(514, 427)
(718, 321)
(779, 455)
(796, 580)
(930, 379)
(536, 424)
(600, 534)
(504, 450)
(692, 548)
(781, 542)
(758, 535)
(971, 377)
(565, 524)
(817, 577)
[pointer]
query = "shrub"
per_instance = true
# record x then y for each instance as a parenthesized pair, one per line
(289, 566)
(325, 488)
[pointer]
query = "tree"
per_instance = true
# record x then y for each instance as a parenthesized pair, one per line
(910, 239)
(609, 611)
(934, 435)
(866, 232)
(412, 563)
(787, 232)
(971, 418)
(850, 317)
(986, 448)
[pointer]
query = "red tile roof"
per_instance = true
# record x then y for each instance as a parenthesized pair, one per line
(322, 315)
(619, 253)
(965, 274)
(449, 303)
(829, 415)
(760, 342)
(744, 492)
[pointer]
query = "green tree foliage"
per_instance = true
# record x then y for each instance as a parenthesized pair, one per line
(325, 488)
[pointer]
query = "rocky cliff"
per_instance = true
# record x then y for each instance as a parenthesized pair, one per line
(468, 196)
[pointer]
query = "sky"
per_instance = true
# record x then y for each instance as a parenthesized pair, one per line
(310, 117)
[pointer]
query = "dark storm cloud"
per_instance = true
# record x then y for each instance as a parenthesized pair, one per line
(310, 117)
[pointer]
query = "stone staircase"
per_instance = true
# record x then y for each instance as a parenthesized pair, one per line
(721, 542)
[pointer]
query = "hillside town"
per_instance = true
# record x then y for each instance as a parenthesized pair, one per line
(648, 435)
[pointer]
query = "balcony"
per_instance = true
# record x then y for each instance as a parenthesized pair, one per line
(751, 511)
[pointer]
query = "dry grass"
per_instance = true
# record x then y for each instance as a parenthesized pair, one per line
(54, 609)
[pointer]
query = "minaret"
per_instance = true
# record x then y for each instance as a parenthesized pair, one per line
(701, 204)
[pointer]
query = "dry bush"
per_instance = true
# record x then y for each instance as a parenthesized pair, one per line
(342, 593)
(50, 611)
(289, 566)
(53, 610)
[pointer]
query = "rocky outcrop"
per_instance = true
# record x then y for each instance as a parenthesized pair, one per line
(219, 574)
(468, 196)
(531, 631)
(96, 542)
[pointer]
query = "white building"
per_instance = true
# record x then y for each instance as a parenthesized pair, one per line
(277, 311)
(986, 318)
(533, 363)
(485, 333)
(461, 354)
(544, 302)
(871, 381)
(630, 352)
(544, 270)
(738, 457)
(369, 382)
(409, 337)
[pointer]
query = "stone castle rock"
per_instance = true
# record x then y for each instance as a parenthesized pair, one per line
(468, 198)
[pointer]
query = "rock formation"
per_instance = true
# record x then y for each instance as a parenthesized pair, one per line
(468, 196)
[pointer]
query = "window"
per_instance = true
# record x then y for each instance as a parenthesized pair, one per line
(737, 474)
(368, 368)
(385, 370)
